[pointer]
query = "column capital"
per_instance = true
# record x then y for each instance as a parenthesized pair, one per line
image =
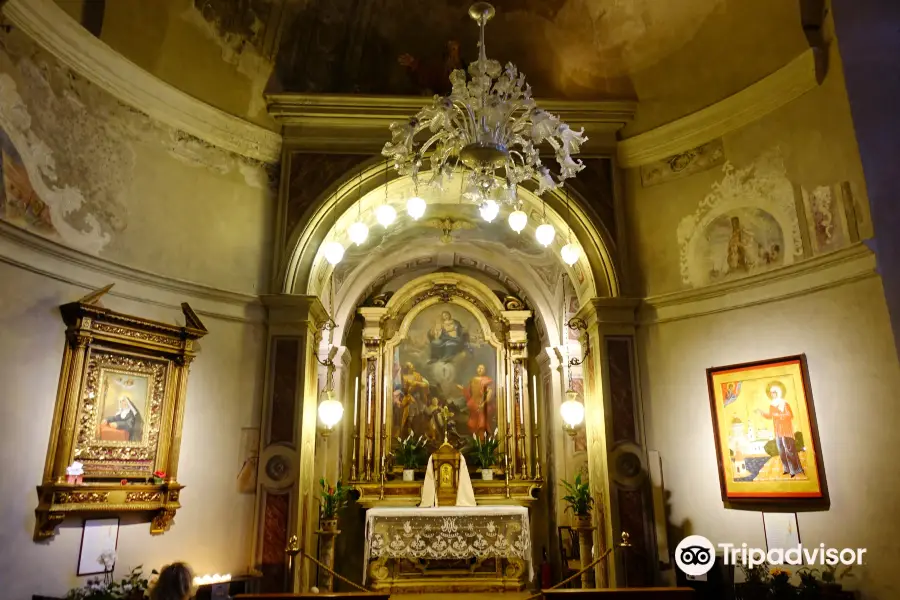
(293, 309)
(373, 316)
(609, 314)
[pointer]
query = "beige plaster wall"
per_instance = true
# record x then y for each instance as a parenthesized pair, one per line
(213, 530)
(100, 177)
(845, 333)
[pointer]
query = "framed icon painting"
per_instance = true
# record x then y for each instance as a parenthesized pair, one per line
(767, 442)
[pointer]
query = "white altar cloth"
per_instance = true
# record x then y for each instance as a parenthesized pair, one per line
(448, 533)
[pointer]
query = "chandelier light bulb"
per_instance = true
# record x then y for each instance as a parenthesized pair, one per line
(415, 207)
(545, 234)
(517, 220)
(385, 214)
(572, 412)
(489, 210)
(358, 233)
(330, 411)
(570, 253)
(334, 252)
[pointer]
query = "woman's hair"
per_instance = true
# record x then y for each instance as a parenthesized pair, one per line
(174, 583)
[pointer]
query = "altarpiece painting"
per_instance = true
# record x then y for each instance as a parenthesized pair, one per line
(765, 428)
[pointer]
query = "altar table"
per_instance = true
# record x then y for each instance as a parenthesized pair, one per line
(456, 547)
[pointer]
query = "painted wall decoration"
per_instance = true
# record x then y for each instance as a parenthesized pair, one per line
(19, 202)
(827, 217)
(695, 160)
(764, 423)
(747, 224)
(444, 360)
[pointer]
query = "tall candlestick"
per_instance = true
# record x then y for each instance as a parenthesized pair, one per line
(534, 395)
(509, 418)
(355, 400)
(521, 399)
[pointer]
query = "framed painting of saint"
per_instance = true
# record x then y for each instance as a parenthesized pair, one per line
(767, 441)
(444, 359)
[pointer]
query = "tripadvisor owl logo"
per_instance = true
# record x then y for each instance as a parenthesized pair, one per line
(695, 555)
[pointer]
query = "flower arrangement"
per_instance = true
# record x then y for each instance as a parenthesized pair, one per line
(132, 587)
(159, 477)
(333, 498)
(410, 452)
(484, 450)
(578, 496)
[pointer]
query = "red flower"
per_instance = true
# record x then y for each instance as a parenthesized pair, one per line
(160, 474)
(124, 482)
(331, 490)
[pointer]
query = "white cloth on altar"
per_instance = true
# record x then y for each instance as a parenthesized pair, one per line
(465, 494)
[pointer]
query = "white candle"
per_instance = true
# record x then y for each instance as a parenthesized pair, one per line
(355, 400)
(521, 401)
(534, 395)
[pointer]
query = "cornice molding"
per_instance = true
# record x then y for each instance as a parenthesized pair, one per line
(763, 97)
(57, 33)
(359, 123)
(38, 255)
(851, 264)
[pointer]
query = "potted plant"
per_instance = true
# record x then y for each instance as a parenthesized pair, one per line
(484, 452)
(781, 585)
(131, 587)
(333, 499)
(578, 499)
(756, 584)
(410, 454)
(809, 583)
(831, 579)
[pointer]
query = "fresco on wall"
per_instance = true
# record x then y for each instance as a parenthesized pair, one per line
(826, 218)
(444, 361)
(19, 203)
(695, 160)
(745, 225)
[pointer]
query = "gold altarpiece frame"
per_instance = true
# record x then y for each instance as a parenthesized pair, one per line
(399, 337)
(119, 412)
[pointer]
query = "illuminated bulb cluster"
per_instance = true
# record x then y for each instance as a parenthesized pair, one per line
(212, 579)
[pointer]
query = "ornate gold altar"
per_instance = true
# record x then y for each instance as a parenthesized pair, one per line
(482, 548)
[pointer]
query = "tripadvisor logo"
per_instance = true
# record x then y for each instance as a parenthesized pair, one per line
(695, 555)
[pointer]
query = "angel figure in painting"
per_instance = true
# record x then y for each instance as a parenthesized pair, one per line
(448, 339)
(479, 394)
(782, 418)
(126, 425)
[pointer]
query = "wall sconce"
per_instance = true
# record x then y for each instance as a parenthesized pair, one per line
(572, 412)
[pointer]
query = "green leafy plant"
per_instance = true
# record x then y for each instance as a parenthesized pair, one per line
(333, 498)
(756, 575)
(410, 452)
(131, 587)
(809, 578)
(832, 578)
(578, 496)
(485, 450)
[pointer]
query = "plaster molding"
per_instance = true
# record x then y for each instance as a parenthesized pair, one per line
(359, 123)
(763, 97)
(74, 46)
(47, 258)
(851, 264)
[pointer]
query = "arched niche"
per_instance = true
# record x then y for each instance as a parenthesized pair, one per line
(359, 192)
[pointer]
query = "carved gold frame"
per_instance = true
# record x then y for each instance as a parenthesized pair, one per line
(118, 475)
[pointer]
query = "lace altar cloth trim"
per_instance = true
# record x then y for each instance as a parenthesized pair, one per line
(449, 533)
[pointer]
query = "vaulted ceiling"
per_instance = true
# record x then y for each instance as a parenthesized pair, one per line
(673, 56)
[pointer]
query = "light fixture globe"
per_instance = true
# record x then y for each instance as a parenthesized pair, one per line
(489, 210)
(517, 220)
(570, 253)
(330, 411)
(545, 234)
(415, 207)
(334, 252)
(358, 233)
(572, 412)
(385, 214)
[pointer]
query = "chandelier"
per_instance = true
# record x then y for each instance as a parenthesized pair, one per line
(491, 128)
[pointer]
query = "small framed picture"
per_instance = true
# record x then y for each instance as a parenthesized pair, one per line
(99, 538)
(782, 531)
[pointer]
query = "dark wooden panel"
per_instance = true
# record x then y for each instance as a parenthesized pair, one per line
(621, 387)
(285, 366)
(276, 518)
(632, 519)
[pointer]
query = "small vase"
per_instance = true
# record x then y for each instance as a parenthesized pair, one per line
(328, 525)
(487, 474)
(583, 522)
(409, 474)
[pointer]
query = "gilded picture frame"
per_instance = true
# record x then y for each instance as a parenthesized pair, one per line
(766, 436)
(116, 431)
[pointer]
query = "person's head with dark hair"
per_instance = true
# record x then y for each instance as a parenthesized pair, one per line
(175, 582)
